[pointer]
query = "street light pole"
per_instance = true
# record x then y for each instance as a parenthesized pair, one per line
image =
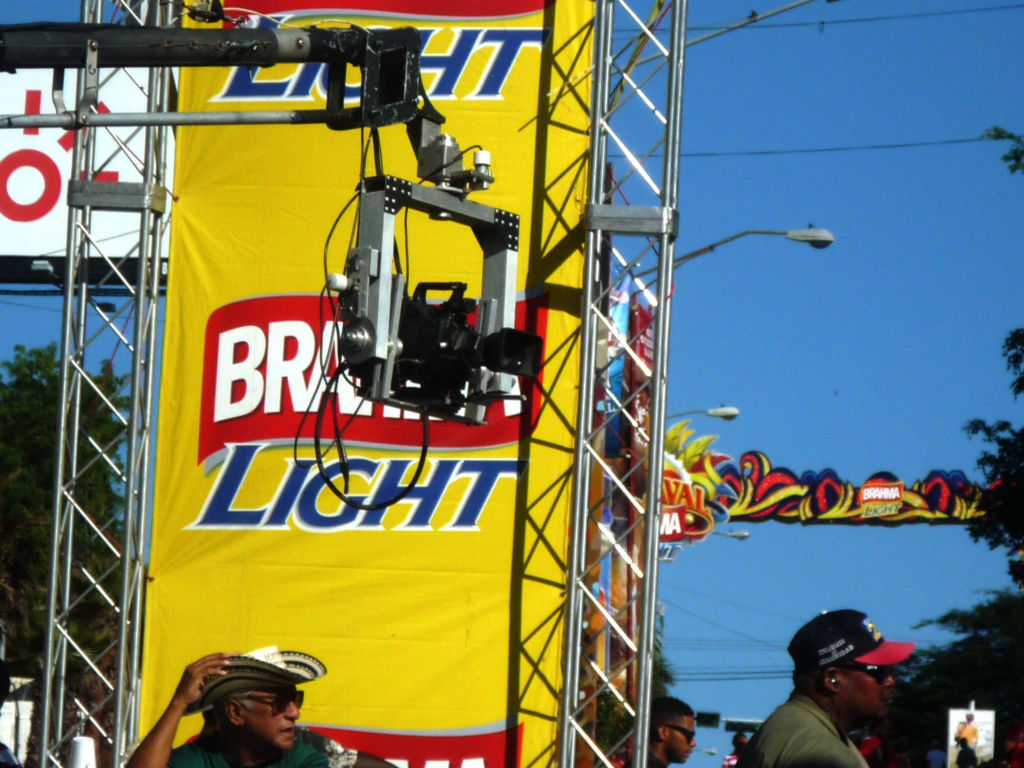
(813, 236)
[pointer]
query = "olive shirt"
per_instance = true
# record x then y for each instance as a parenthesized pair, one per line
(205, 753)
(800, 734)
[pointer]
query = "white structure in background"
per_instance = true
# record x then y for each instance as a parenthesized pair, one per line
(35, 166)
(984, 721)
(16, 716)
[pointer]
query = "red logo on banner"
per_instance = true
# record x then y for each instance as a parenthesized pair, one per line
(261, 375)
(879, 498)
(475, 750)
(875, 492)
(683, 512)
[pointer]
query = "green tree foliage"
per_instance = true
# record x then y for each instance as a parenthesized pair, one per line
(1014, 159)
(613, 722)
(1003, 467)
(29, 395)
(985, 665)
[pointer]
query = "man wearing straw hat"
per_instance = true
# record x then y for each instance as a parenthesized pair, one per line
(255, 705)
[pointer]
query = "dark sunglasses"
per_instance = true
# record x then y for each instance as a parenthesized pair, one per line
(280, 702)
(879, 673)
(685, 731)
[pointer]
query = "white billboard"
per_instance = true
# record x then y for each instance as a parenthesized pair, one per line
(35, 162)
(970, 731)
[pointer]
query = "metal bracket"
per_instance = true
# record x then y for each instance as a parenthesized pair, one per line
(633, 219)
(57, 91)
(117, 196)
(91, 90)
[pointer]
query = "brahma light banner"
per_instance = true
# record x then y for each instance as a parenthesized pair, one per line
(439, 616)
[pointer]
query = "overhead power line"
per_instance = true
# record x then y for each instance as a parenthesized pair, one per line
(840, 148)
(718, 677)
(718, 599)
(866, 19)
(819, 150)
(33, 307)
(718, 646)
(821, 24)
(730, 630)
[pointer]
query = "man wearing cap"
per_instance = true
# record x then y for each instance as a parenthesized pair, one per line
(842, 679)
(255, 705)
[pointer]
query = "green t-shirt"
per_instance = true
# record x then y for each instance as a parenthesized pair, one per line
(205, 753)
(799, 734)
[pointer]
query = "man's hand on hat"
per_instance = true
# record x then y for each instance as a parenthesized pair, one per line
(154, 751)
(196, 674)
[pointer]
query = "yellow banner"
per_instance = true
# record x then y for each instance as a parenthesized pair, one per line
(439, 617)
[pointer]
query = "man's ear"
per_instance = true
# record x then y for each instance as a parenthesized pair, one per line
(829, 679)
(233, 711)
(658, 733)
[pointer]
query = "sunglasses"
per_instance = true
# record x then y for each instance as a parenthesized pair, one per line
(689, 734)
(879, 673)
(280, 702)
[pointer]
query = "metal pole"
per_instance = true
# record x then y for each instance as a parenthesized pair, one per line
(585, 405)
(659, 378)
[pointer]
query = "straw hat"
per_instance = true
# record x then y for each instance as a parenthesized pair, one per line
(259, 670)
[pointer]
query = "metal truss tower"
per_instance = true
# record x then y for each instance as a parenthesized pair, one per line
(115, 241)
(632, 221)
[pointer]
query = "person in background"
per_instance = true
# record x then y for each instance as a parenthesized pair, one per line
(966, 756)
(935, 757)
(739, 741)
(967, 729)
(877, 747)
(673, 737)
(1014, 745)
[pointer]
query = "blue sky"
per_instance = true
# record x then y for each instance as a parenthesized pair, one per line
(868, 356)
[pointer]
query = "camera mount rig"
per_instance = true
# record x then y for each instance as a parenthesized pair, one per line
(399, 349)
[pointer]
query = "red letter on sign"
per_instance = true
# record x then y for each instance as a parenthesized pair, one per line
(29, 158)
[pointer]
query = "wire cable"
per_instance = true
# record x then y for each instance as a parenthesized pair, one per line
(867, 19)
(821, 150)
(840, 148)
(328, 385)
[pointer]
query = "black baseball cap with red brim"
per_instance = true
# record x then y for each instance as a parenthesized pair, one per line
(836, 637)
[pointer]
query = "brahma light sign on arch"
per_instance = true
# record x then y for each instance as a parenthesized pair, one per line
(439, 617)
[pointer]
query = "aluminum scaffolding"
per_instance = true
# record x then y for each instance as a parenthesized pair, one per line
(91, 687)
(632, 219)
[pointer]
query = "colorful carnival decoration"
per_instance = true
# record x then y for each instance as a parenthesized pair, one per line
(763, 492)
(702, 488)
(693, 494)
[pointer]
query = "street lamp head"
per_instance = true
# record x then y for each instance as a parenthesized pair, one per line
(738, 535)
(818, 238)
(726, 412)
